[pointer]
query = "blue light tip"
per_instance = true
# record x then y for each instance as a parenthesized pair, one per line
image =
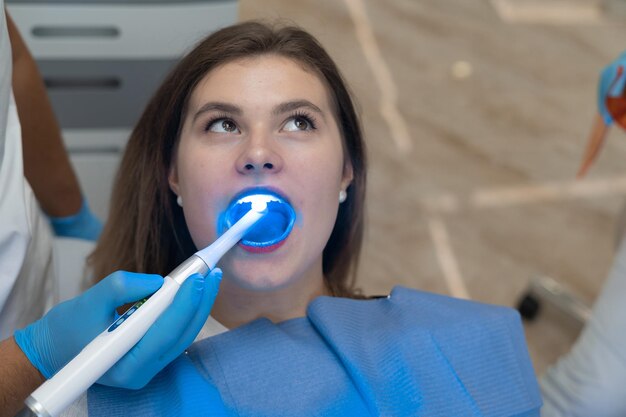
(276, 223)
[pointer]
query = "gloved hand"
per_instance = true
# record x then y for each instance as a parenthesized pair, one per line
(59, 336)
(612, 83)
(82, 225)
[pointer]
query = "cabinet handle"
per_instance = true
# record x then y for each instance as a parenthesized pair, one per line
(82, 83)
(90, 150)
(75, 32)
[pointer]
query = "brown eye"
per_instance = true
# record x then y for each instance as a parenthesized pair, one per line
(228, 126)
(298, 123)
(301, 124)
(222, 126)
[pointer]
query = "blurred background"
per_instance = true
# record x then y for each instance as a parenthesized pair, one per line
(476, 116)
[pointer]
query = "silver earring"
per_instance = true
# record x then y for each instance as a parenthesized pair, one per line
(179, 201)
(342, 196)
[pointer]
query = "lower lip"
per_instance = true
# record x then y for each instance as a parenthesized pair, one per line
(262, 249)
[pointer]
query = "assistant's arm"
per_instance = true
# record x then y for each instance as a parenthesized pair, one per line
(19, 378)
(46, 163)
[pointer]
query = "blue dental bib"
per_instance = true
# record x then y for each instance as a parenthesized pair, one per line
(412, 354)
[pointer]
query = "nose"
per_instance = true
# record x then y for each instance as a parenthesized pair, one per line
(259, 157)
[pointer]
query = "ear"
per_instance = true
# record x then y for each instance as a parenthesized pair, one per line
(348, 175)
(172, 179)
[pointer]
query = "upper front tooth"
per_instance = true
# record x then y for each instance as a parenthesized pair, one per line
(256, 197)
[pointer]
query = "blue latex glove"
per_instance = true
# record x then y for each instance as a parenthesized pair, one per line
(611, 85)
(59, 336)
(82, 225)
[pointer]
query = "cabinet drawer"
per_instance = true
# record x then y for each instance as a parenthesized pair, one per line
(118, 29)
(101, 94)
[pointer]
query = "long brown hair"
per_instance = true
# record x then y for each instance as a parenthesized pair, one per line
(146, 230)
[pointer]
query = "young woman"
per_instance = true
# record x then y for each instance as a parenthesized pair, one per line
(254, 106)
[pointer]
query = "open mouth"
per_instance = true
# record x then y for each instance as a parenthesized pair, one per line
(270, 232)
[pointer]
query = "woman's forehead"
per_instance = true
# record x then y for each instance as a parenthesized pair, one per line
(261, 80)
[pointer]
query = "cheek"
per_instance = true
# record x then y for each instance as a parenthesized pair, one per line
(323, 196)
(202, 198)
(327, 174)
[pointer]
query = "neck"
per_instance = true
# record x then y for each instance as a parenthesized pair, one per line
(236, 305)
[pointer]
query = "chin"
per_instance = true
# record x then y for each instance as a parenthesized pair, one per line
(259, 283)
(257, 272)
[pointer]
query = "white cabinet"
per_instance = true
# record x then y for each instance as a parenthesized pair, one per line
(101, 61)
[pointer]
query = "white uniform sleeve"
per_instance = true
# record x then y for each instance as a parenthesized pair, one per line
(590, 379)
(27, 281)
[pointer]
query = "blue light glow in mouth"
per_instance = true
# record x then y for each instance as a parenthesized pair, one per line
(272, 229)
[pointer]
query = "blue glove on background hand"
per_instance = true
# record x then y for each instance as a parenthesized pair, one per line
(60, 335)
(611, 85)
(82, 225)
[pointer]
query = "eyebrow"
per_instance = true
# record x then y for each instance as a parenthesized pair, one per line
(278, 110)
(293, 105)
(219, 106)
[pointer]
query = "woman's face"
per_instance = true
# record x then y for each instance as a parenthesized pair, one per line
(262, 122)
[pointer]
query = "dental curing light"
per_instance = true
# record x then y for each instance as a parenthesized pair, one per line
(56, 394)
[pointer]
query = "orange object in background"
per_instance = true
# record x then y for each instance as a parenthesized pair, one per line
(596, 140)
(614, 111)
(617, 108)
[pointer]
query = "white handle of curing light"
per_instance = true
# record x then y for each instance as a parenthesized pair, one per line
(56, 394)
